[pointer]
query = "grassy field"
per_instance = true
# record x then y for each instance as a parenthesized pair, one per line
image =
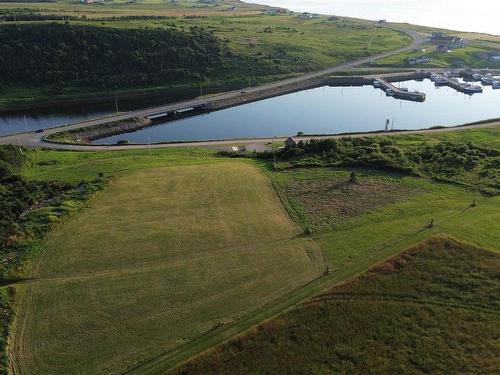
(185, 249)
(433, 309)
(161, 257)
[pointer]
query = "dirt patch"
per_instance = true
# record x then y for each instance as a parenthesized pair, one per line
(329, 202)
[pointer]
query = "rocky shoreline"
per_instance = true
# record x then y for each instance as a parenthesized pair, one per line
(89, 134)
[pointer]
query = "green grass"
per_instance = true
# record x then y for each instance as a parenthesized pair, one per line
(72, 166)
(265, 47)
(118, 283)
(434, 309)
(163, 256)
(467, 56)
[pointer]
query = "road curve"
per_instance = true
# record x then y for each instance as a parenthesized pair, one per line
(33, 139)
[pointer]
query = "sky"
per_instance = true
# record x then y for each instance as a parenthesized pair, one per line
(465, 15)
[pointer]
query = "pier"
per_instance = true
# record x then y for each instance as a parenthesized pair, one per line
(398, 93)
(465, 87)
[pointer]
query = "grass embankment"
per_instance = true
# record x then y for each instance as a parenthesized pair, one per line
(161, 257)
(260, 48)
(433, 309)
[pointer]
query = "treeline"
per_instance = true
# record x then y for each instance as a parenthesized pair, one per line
(458, 162)
(465, 163)
(105, 58)
(34, 16)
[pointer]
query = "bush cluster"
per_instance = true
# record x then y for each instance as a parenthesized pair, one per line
(27, 208)
(457, 162)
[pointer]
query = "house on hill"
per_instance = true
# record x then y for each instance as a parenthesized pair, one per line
(442, 48)
(290, 142)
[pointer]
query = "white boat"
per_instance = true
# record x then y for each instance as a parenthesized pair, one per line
(473, 89)
(488, 81)
(496, 85)
(389, 92)
(441, 80)
(405, 89)
(433, 77)
(477, 76)
(377, 84)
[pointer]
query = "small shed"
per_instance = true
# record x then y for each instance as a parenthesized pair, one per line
(290, 142)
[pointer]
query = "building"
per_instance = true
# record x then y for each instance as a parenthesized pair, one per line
(442, 48)
(419, 60)
(456, 43)
(451, 42)
(290, 142)
(382, 21)
(307, 16)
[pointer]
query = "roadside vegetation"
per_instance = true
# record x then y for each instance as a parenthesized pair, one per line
(432, 309)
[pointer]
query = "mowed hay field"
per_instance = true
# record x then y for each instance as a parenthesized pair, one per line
(432, 310)
(161, 257)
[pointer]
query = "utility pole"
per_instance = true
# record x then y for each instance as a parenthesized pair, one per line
(26, 123)
(116, 105)
(201, 88)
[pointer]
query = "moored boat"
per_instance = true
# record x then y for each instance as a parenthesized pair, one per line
(473, 89)
(440, 81)
(487, 81)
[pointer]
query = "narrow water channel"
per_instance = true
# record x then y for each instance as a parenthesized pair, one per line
(326, 110)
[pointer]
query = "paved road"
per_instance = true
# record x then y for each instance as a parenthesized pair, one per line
(31, 139)
(259, 144)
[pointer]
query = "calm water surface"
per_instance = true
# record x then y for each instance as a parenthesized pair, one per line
(18, 122)
(465, 15)
(326, 110)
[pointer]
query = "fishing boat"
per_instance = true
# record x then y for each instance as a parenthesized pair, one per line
(487, 81)
(477, 76)
(440, 81)
(377, 84)
(473, 89)
(496, 85)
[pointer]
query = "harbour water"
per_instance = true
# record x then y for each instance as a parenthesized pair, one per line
(326, 110)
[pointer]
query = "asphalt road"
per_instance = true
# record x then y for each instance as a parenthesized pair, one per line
(33, 139)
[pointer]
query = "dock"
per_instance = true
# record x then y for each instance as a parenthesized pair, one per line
(443, 80)
(398, 93)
